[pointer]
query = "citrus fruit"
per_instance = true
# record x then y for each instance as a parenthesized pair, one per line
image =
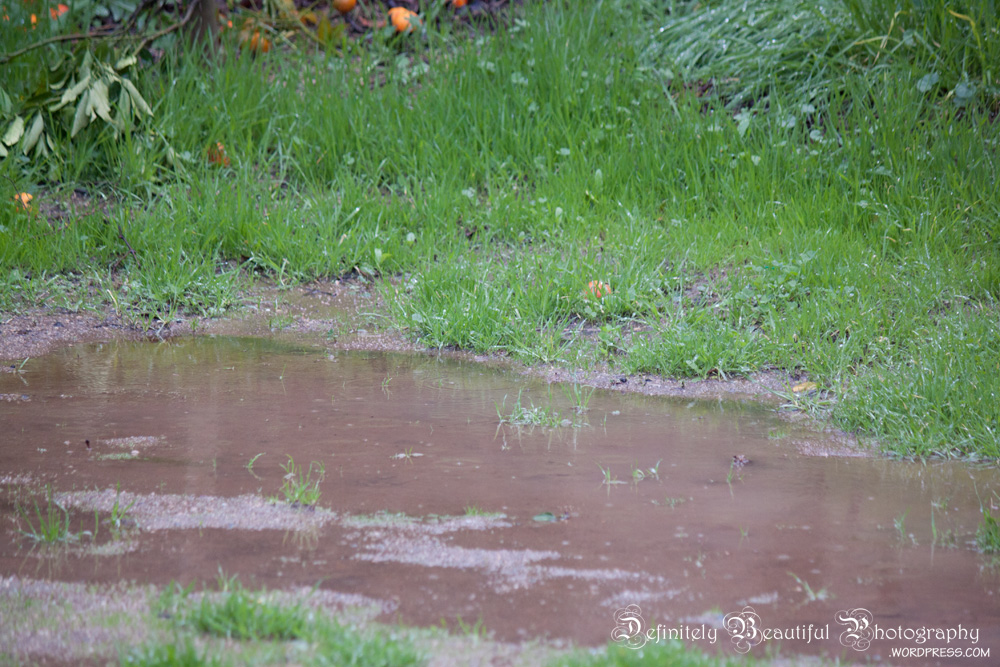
(403, 19)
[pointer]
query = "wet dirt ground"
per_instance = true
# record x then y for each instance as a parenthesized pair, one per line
(432, 510)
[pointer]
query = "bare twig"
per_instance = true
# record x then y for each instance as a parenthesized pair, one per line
(121, 236)
(108, 32)
(170, 28)
(7, 57)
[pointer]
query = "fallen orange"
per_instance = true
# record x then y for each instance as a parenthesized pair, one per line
(403, 19)
(217, 155)
(344, 6)
(258, 43)
(24, 199)
(458, 3)
(597, 289)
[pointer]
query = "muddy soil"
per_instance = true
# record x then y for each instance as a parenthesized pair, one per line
(345, 315)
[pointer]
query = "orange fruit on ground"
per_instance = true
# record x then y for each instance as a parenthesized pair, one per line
(403, 19)
(258, 43)
(217, 155)
(597, 289)
(458, 3)
(344, 6)
(24, 199)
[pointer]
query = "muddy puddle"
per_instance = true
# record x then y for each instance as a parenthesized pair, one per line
(431, 510)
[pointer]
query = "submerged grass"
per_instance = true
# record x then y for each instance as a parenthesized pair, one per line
(50, 525)
(762, 185)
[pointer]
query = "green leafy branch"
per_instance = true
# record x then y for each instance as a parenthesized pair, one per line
(96, 88)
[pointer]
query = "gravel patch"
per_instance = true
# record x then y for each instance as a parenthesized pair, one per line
(69, 622)
(172, 511)
(404, 539)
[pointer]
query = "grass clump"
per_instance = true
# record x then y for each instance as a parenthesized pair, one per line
(236, 613)
(670, 652)
(257, 622)
(536, 415)
(299, 487)
(52, 526)
(988, 533)
(179, 654)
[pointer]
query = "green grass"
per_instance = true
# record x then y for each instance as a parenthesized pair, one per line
(180, 654)
(298, 486)
(519, 415)
(765, 185)
(671, 652)
(237, 614)
(988, 533)
(256, 622)
(48, 526)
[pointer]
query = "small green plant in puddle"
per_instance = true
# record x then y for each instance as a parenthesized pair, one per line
(249, 465)
(988, 534)
(670, 502)
(119, 513)
(899, 523)
(520, 415)
(639, 474)
(476, 510)
(580, 397)
(609, 479)
(299, 487)
(53, 522)
(811, 595)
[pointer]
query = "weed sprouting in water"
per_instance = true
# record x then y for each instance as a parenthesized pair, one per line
(732, 474)
(299, 487)
(249, 465)
(580, 397)
(670, 502)
(53, 524)
(988, 533)
(477, 630)
(900, 525)
(609, 479)
(521, 416)
(119, 513)
(476, 510)
(811, 595)
(639, 474)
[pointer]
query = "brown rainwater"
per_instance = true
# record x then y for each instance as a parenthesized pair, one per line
(797, 537)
